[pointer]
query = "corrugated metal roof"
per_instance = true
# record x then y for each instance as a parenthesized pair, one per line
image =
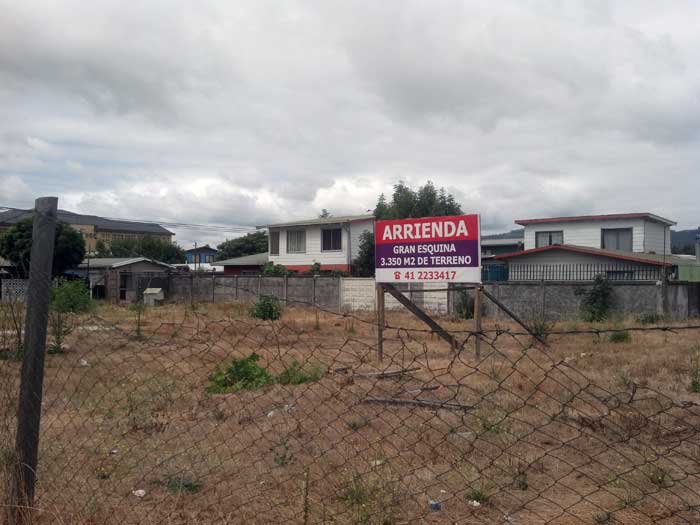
(14, 216)
(257, 259)
(118, 262)
(321, 220)
(576, 218)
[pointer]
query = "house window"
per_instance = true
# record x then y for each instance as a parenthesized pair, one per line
(543, 239)
(331, 240)
(296, 241)
(195, 258)
(274, 243)
(616, 239)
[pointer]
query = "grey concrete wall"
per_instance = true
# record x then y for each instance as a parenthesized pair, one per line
(322, 291)
(560, 300)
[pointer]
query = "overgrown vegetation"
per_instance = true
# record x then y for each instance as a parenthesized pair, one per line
(620, 337)
(68, 297)
(464, 305)
(247, 374)
(242, 374)
(597, 302)
(296, 374)
(138, 308)
(267, 308)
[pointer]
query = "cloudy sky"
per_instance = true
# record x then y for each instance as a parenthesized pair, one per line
(241, 113)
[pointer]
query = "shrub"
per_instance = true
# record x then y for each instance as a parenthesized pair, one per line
(271, 269)
(620, 337)
(242, 374)
(66, 298)
(138, 308)
(464, 305)
(295, 374)
(71, 297)
(597, 302)
(266, 308)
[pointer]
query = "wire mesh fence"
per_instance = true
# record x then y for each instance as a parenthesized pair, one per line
(202, 414)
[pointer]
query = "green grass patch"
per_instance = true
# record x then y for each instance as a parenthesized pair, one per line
(296, 374)
(242, 374)
(620, 337)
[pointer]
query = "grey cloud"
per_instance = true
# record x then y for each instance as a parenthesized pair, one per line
(248, 112)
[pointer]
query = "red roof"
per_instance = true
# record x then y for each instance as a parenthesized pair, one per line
(642, 258)
(649, 216)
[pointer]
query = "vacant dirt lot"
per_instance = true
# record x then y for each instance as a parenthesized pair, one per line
(586, 430)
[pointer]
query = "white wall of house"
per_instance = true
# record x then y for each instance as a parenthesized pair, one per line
(654, 236)
(646, 235)
(350, 240)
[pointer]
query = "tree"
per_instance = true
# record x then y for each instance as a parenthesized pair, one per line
(426, 201)
(16, 246)
(249, 244)
(406, 203)
(149, 247)
(364, 263)
(324, 214)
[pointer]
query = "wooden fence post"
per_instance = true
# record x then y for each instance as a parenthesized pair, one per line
(380, 321)
(31, 387)
(477, 321)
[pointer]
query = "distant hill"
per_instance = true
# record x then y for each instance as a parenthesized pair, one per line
(683, 241)
(512, 234)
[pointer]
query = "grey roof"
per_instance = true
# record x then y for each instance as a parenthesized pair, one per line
(13, 216)
(117, 262)
(321, 220)
(257, 259)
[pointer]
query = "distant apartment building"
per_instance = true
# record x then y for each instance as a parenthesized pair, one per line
(95, 229)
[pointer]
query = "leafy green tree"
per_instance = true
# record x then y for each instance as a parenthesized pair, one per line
(406, 203)
(364, 263)
(426, 201)
(16, 246)
(149, 247)
(249, 244)
(324, 214)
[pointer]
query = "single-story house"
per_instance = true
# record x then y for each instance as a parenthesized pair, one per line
(492, 247)
(201, 254)
(245, 265)
(332, 242)
(123, 278)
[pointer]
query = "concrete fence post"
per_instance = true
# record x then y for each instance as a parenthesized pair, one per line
(31, 387)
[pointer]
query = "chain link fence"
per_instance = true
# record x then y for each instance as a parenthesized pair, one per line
(203, 414)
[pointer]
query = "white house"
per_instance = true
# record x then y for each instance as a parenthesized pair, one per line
(333, 242)
(627, 232)
(625, 246)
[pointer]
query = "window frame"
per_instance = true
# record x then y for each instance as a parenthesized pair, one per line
(339, 229)
(617, 238)
(549, 234)
(288, 243)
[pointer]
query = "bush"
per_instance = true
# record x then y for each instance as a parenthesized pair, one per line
(66, 298)
(597, 302)
(271, 269)
(267, 308)
(71, 297)
(464, 305)
(295, 374)
(620, 337)
(242, 374)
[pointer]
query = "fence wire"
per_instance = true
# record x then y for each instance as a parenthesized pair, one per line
(203, 414)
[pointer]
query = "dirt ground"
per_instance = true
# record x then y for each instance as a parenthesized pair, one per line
(584, 430)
